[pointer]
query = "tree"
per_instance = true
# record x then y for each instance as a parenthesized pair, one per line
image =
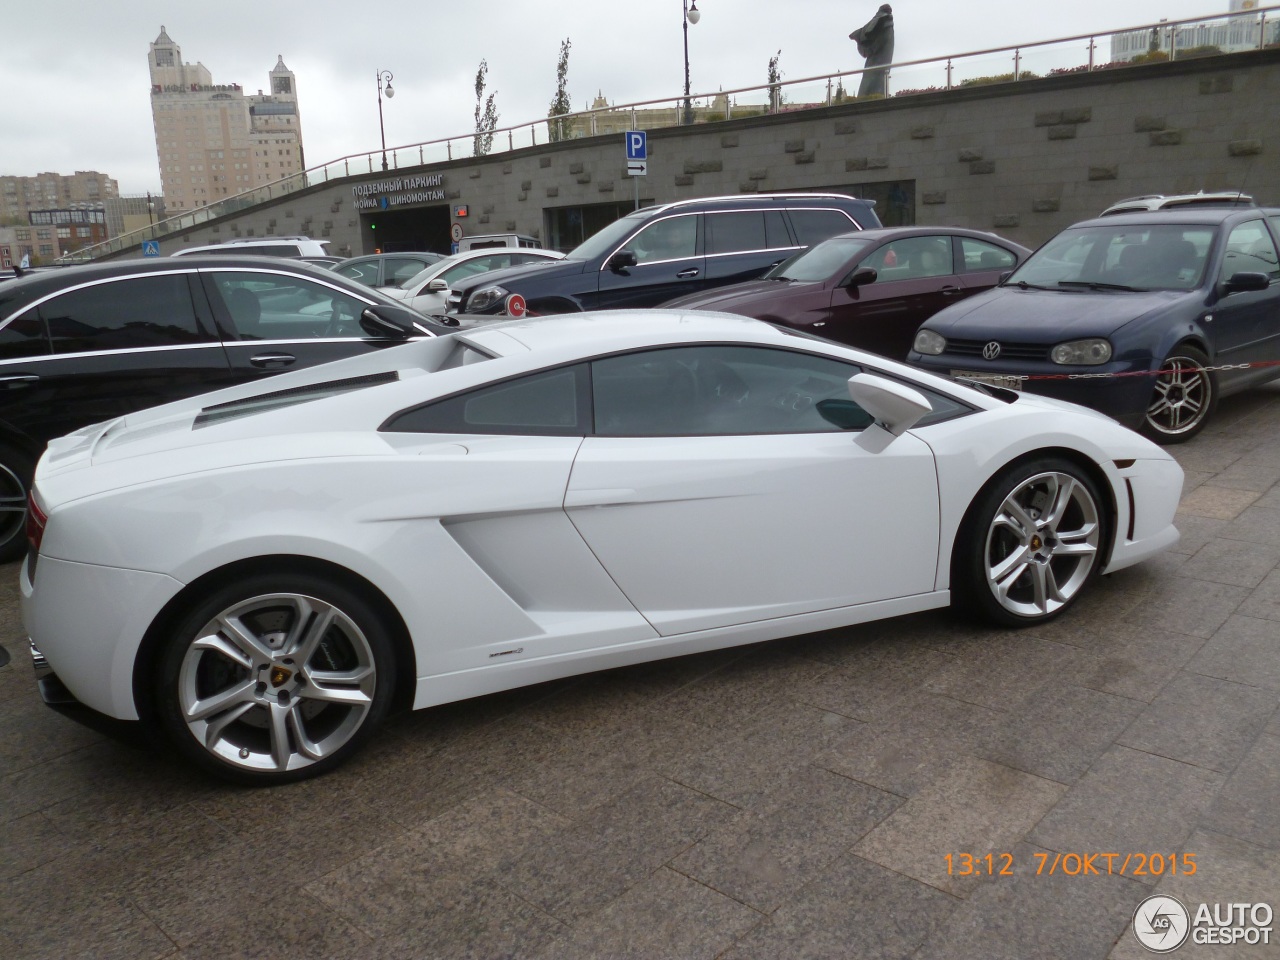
(560, 103)
(775, 85)
(486, 113)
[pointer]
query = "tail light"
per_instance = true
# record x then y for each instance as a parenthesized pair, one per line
(36, 521)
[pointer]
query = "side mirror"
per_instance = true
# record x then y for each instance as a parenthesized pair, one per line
(621, 260)
(437, 286)
(894, 406)
(845, 414)
(859, 277)
(387, 322)
(1238, 282)
(1004, 276)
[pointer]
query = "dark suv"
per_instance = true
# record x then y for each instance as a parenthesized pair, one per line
(667, 251)
(89, 343)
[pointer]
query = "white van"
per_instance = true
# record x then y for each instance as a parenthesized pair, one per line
(483, 240)
(296, 247)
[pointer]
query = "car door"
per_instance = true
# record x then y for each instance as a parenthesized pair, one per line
(274, 321)
(980, 265)
(669, 264)
(113, 346)
(1246, 323)
(742, 244)
(914, 280)
(715, 494)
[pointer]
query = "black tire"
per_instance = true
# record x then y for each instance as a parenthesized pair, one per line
(294, 693)
(1030, 544)
(1183, 398)
(16, 470)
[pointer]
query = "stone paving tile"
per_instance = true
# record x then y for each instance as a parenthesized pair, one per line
(1232, 561)
(1202, 721)
(1061, 731)
(1129, 801)
(1264, 602)
(851, 908)
(1246, 474)
(31, 733)
(1217, 503)
(1193, 607)
(896, 762)
(1248, 807)
(1142, 666)
(664, 916)
(1256, 524)
(1196, 532)
(1008, 670)
(873, 680)
(1228, 871)
(1245, 650)
(976, 806)
(29, 842)
(1037, 915)
(760, 859)
(289, 923)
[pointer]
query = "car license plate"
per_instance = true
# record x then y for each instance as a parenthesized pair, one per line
(1006, 380)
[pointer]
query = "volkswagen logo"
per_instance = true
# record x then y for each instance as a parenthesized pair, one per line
(991, 350)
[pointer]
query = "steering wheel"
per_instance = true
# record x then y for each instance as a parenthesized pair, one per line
(343, 321)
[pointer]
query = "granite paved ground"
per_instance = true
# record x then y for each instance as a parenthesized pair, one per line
(792, 799)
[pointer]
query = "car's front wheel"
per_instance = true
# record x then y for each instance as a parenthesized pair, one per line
(1030, 543)
(1185, 394)
(16, 469)
(275, 678)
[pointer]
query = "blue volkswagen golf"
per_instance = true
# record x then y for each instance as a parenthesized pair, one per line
(1147, 317)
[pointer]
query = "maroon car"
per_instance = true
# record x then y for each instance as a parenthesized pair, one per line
(871, 289)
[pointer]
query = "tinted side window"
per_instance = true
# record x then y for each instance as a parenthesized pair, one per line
(397, 271)
(548, 404)
(366, 273)
(715, 391)
(911, 258)
(671, 238)
(1250, 250)
(137, 312)
(273, 306)
(977, 255)
(814, 226)
(734, 232)
(24, 336)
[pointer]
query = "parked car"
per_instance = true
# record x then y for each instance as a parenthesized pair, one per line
(870, 289)
(294, 247)
(427, 291)
(1137, 315)
(385, 269)
(98, 341)
(482, 240)
(538, 499)
(658, 253)
(1160, 201)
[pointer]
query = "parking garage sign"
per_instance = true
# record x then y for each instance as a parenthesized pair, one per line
(637, 153)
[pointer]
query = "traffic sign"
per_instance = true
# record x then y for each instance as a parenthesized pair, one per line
(151, 248)
(456, 232)
(637, 168)
(637, 145)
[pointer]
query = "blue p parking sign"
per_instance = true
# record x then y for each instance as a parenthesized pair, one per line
(637, 145)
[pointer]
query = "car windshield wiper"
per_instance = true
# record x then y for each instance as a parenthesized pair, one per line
(1096, 285)
(1023, 285)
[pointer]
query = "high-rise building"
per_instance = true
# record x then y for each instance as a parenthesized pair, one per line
(214, 141)
(85, 189)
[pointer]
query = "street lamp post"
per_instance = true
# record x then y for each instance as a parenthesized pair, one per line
(151, 209)
(387, 76)
(691, 15)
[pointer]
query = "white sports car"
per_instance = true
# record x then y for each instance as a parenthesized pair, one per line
(262, 572)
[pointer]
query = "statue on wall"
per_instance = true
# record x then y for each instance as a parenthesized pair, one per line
(875, 42)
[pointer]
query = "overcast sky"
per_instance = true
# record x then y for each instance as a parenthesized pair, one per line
(77, 88)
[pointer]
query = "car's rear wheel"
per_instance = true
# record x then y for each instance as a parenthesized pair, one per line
(16, 469)
(275, 678)
(1030, 543)
(1185, 394)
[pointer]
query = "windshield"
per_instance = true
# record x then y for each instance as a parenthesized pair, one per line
(603, 241)
(820, 261)
(1113, 257)
(426, 273)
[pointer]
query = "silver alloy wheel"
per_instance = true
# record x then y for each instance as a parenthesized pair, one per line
(1042, 544)
(13, 504)
(277, 682)
(1182, 398)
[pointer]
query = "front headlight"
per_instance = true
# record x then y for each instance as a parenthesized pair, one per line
(486, 297)
(1087, 353)
(929, 343)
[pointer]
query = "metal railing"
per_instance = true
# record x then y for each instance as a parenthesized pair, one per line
(1017, 63)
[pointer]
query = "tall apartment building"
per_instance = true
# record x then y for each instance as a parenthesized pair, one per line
(214, 141)
(86, 189)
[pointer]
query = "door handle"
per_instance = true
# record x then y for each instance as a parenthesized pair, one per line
(18, 381)
(268, 360)
(685, 274)
(950, 291)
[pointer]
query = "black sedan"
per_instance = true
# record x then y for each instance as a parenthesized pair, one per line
(1147, 317)
(94, 342)
(871, 289)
